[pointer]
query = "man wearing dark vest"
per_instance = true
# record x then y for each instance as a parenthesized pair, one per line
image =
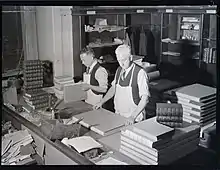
(95, 79)
(129, 88)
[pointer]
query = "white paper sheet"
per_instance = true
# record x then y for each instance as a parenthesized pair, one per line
(83, 143)
(110, 161)
(5, 145)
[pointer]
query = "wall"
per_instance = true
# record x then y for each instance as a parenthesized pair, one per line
(54, 32)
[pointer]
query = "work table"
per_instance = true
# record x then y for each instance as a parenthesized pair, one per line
(72, 156)
(57, 153)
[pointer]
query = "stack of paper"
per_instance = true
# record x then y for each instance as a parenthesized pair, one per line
(151, 143)
(59, 83)
(101, 121)
(198, 102)
(110, 161)
(82, 144)
(11, 144)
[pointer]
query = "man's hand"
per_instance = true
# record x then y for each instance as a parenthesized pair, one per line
(85, 86)
(97, 105)
(130, 121)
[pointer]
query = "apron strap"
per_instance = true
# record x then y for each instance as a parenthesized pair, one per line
(131, 76)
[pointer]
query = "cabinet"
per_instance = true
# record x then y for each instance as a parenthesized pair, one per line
(191, 35)
(181, 32)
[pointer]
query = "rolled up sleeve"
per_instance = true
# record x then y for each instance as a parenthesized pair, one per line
(101, 76)
(143, 83)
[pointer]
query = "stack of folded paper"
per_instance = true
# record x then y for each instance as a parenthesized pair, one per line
(59, 83)
(151, 143)
(16, 147)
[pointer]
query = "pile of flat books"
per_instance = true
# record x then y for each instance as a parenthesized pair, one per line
(59, 83)
(198, 102)
(33, 75)
(36, 99)
(151, 143)
(170, 114)
(157, 87)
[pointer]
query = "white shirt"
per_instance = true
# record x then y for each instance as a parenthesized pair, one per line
(101, 75)
(142, 81)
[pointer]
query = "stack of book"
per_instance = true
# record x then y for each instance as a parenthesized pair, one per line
(33, 75)
(157, 87)
(59, 83)
(209, 55)
(170, 114)
(198, 102)
(151, 143)
(37, 99)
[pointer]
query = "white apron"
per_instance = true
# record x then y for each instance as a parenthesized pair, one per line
(123, 100)
(92, 98)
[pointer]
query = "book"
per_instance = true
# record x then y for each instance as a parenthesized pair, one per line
(182, 151)
(155, 155)
(201, 109)
(169, 109)
(158, 153)
(35, 93)
(152, 129)
(196, 92)
(199, 112)
(96, 121)
(142, 139)
(171, 124)
(197, 105)
(74, 92)
(62, 78)
(171, 119)
(163, 85)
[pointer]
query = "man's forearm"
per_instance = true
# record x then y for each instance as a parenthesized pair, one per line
(141, 106)
(109, 94)
(98, 89)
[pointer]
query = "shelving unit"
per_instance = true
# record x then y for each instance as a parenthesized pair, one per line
(171, 21)
(173, 35)
(209, 52)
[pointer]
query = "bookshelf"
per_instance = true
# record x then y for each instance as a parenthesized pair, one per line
(209, 52)
(176, 28)
(199, 30)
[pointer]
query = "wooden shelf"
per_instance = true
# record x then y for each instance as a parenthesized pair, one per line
(190, 22)
(103, 45)
(109, 28)
(166, 40)
(171, 53)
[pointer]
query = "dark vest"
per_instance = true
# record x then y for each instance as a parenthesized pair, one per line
(93, 81)
(126, 81)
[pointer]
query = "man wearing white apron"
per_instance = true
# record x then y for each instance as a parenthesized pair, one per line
(129, 88)
(95, 79)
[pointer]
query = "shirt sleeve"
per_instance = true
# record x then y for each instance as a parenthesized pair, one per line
(143, 83)
(101, 76)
